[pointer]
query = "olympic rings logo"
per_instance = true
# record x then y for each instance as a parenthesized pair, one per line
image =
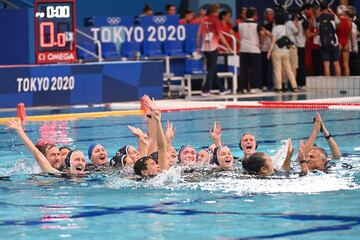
(299, 3)
(113, 20)
(159, 19)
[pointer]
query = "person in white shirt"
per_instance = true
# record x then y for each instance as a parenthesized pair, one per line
(250, 53)
(267, 79)
(292, 30)
(279, 52)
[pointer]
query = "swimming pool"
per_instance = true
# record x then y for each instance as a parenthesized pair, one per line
(318, 206)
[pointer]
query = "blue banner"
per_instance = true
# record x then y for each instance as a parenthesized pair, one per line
(80, 83)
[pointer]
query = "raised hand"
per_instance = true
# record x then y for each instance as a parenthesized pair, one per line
(136, 131)
(318, 123)
(216, 131)
(170, 132)
(301, 153)
(14, 124)
(152, 107)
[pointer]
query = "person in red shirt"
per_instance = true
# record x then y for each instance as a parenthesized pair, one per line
(210, 34)
(226, 26)
(343, 32)
(189, 17)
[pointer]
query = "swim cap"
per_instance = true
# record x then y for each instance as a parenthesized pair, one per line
(215, 155)
(182, 149)
(118, 160)
(91, 149)
(68, 157)
(124, 150)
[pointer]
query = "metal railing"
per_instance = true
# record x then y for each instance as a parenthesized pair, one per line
(10, 4)
(97, 42)
(13, 5)
(234, 54)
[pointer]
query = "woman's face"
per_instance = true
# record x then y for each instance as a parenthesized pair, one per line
(225, 158)
(188, 156)
(128, 162)
(99, 155)
(173, 157)
(268, 168)
(63, 153)
(133, 153)
(203, 156)
(77, 163)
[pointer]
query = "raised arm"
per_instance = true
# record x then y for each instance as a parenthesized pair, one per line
(302, 158)
(290, 151)
(334, 148)
(316, 129)
(40, 158)
(216, 134)
(143, 141)
(162, 143)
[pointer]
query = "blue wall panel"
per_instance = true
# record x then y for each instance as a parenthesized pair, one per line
(80, 83)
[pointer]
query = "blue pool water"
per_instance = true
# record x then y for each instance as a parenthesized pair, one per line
(317, 206)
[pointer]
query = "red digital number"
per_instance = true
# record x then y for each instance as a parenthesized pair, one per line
(42, 27)
(60, 37)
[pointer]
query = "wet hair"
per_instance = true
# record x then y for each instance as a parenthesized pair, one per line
(155, 156)
(323, 153)
(254, 163)
(223, 14)
(251, 12)
(64, 147)
(141, 165)
(118, 160)
(44, 146)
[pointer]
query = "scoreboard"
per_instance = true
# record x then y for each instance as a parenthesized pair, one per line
(55, 40)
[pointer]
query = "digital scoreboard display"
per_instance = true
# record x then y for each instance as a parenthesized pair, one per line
(55, 31)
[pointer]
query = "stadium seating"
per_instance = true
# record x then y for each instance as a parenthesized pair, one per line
(131, 49)
(109, 51)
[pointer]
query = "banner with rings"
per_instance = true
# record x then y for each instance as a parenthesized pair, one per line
(299, 3)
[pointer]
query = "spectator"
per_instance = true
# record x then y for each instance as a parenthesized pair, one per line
(210, 34)
(312, 47)
(343, 32)
(279, 52)
(226, 26)
(189, 17)
(170, 9)
(242, 14)
(300, 41)
(326, 23)
(292, 30)
(147, 11)
(202, 13)
(266, 63)
(250, 54)
(354, 47)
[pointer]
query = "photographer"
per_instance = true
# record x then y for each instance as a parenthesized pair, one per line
(279, 52)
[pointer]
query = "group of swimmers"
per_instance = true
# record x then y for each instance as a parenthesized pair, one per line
(156, 153)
